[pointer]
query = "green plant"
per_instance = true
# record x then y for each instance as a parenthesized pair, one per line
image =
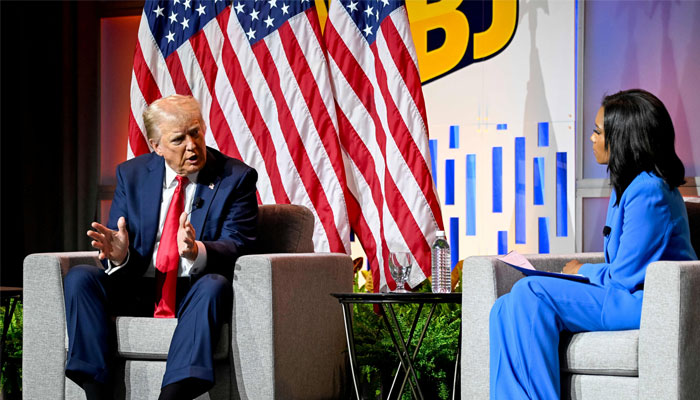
(435, 361)
(11, 381)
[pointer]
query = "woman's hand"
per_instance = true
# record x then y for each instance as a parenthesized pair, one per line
(572, 267)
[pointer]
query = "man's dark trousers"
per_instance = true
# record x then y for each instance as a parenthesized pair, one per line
(92, 300)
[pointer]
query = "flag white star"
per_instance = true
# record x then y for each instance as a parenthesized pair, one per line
(159, 11)
(185, 23)
(187, 4)
(369, 11)
(239, 8)
(250, 33)
(254, 14)
(377, 13)
(385, 2)
(173, 17)
(170, 36)
(200, 10)
(273, 3)
(176, 1)
(285, 9)
(367, 30)
(352, 6)
(269, 21)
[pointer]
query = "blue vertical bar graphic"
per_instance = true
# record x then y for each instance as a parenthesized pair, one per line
(497, 178)
(543, 227)
(502, 242)
(543, 134)
(454, 240)
(562, 228)
(471, 195)
(454, 136)
(520, 190)
(433, 145)
(449, 182)
(538, 181)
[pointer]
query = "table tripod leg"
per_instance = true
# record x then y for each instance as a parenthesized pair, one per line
(347, 317)
(457, 364)
(410, 338)
(401, 350)
(420, 340)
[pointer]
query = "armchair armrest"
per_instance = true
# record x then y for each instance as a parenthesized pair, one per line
(287, 334)
(44, 355)
(484, 279)
(669, 344)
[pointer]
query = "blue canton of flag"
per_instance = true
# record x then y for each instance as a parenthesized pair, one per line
(260, 18)
(369, 14)
(173, 22)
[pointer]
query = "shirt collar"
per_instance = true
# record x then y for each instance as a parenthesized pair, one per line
(170, 175)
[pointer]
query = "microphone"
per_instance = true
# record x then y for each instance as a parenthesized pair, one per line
(198, 202)
(606, 230)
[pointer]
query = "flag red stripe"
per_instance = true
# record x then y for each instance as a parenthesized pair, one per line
(397, 205)
(403, 60)
(219, 126)
(137, 141)
(312, 16)
(147, 84)
(296, 148)
(314, 100)
(361, 156)
(404, 141)
(251, 114)
(365, 91)
(177, 74)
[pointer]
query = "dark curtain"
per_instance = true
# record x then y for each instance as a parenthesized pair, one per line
(49, 129)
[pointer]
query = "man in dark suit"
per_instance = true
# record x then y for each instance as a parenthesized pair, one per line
(179, 219)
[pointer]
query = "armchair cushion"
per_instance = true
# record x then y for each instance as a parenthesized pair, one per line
(140, 338)
(600, 353)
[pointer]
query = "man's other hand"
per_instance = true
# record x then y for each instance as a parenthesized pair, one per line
(113, 245)
(186, 245)
(572, 267)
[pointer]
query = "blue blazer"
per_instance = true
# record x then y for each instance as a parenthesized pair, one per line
(649, 224)
(224, 215)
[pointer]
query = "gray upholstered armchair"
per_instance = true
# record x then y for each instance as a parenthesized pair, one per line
(285, 341)
(661, 360)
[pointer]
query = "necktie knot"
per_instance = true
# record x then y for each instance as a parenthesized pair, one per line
(181, 180)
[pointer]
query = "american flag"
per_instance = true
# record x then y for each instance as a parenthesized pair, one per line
(384, 133)
(259, 70)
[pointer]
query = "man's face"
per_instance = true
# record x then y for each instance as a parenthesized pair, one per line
(182, 145)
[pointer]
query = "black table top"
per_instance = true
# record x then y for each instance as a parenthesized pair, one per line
(378, 298)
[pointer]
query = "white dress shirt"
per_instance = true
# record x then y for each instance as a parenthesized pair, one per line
(185, 267)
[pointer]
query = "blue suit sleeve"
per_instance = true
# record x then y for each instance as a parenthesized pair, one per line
(239, 227)
(646, 223)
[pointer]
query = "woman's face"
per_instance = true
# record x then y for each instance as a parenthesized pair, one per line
(602, 155)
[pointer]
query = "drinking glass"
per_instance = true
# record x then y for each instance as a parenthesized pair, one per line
(400, 268)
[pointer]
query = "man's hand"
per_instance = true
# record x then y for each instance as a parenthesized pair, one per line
(113, 245)
(572, 267)
(186, 245)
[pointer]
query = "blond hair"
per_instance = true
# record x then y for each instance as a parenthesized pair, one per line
(176, 108)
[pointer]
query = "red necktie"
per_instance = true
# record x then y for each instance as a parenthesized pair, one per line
(168, 256)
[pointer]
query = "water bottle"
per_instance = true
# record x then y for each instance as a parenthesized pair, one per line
(442, 279)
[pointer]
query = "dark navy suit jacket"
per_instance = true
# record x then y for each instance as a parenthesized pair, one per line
(224, 213)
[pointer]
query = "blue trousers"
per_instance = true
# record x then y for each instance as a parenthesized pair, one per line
(92, 299)
(524, 329)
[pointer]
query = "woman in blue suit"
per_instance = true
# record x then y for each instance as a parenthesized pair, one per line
(646, 222)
